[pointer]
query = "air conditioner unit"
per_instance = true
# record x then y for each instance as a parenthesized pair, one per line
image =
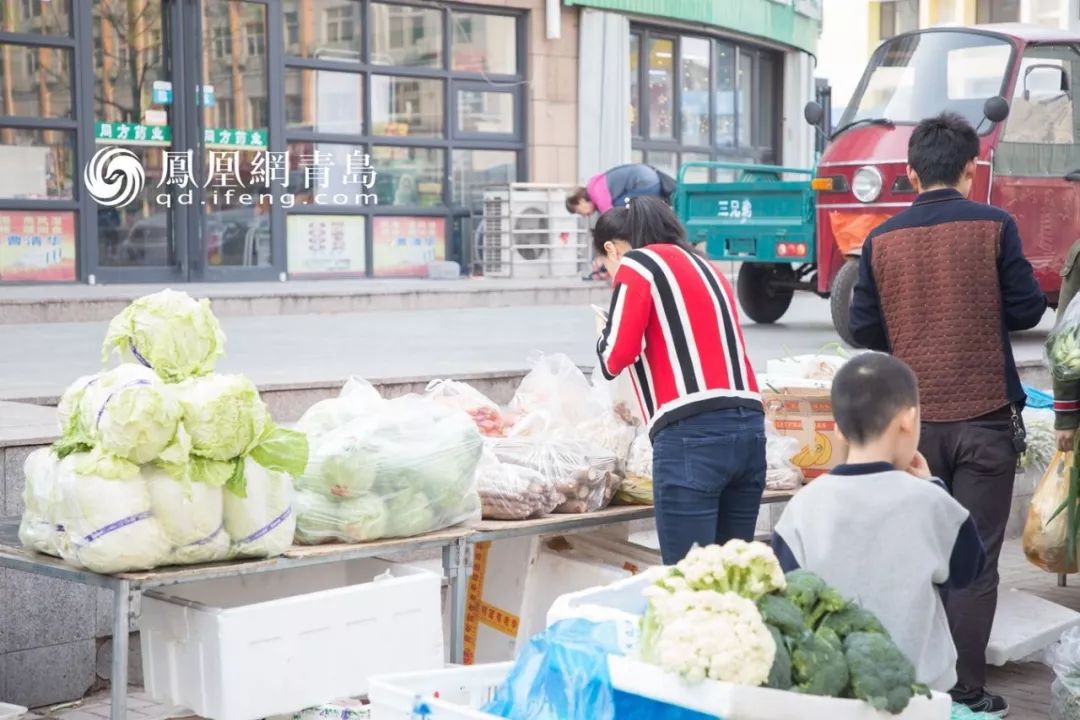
(527, 233)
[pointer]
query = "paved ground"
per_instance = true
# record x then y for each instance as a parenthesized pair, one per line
(39, 360)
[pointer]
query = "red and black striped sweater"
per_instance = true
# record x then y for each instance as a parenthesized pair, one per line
(674, 322)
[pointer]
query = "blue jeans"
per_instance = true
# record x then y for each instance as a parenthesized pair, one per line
(708, 477)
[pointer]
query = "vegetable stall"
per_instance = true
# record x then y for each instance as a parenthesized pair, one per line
(168, 473)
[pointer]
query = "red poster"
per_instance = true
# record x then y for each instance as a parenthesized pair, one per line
(37, 246)
(405, 246)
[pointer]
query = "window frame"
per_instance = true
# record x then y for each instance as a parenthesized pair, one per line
(760, 150)
(990, 11)
(450, 140)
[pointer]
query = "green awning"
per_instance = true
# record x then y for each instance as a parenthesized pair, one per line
(796, 23)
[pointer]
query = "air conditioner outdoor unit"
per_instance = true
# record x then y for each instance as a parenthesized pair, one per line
(527, 233)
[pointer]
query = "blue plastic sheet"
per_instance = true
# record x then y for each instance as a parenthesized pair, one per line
(1038, 399)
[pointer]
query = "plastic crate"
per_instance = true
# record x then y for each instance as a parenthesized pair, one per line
(10, 712)
(462, 691)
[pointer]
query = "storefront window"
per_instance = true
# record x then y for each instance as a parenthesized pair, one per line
(140, 234)
(485, 112)
(406, 106)
(335, 174)
(324, 101)
(323, 29)
(661, 87)
(664, 161)
(127, 64)
(36, 81)
(724, 103)
(694, 76)
(745, 83)
(406, 35)
(635, 84)
(45, 163)
(36, 17)
(698, 174)
(408, 176)
(476, 170)
(484, 43)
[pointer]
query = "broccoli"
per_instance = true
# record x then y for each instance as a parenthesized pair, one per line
(803, 589)
(853, 619)
(829, 635)
(880, 674)
(829, 601)
(780, 674)
(781, 612)
(818, 666)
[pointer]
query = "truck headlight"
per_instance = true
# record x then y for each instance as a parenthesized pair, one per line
(866, 184)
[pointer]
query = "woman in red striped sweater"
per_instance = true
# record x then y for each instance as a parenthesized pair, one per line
(674, 326)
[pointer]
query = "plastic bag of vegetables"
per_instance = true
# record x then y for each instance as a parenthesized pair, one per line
(513, 492)
(108, 523)
(262, 522)
(489, 417)
(192, 516)
(1063, 344)
(169, 332)
(1046, 532)
(37, 529)
(557, 391)
(637, 486)
(356, 399)
(1064, 657)
(584, 474)
(417, 458)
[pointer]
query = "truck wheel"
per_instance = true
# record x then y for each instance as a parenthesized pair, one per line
(840, 300)
(761, 299)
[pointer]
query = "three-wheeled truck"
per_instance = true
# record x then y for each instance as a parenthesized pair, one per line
(803, 230)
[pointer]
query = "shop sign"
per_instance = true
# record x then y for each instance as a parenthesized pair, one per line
(122, 133)
(161, 92)
(325, 246)
(235, 138)
(37, 246)
(405, 246)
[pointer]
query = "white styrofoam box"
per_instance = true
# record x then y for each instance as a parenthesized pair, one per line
(622, 603)
(10, 712)
(462, 692)
(754, 703)
(1025, 624)
(247, 647)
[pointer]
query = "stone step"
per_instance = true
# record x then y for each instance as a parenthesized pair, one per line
(85, 303)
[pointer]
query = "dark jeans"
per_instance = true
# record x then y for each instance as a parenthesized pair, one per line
(977, 462)
(708, 477)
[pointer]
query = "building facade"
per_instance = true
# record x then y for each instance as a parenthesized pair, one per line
(160, 141)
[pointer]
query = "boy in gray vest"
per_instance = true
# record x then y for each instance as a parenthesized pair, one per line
(879, 528)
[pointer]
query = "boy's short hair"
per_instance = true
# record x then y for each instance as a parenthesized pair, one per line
(574, 197)
(868, 392)
(940, 147)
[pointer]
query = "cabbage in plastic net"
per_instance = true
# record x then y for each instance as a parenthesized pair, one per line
(37, 529)
(405, 468)
(169, 332)
(513, 492)
(585, 475)
(108, 524)
(262, 523)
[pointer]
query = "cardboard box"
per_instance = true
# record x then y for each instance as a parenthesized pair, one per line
(806, 414)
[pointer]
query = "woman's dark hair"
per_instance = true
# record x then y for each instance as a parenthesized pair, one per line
(646, 220)
(574, 197)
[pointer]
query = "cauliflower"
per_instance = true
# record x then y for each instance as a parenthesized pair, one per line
(749, 569)
(708, 634)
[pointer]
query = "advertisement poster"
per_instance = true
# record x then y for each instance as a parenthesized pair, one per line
(405, 246)
(325, 246)
(37, 246)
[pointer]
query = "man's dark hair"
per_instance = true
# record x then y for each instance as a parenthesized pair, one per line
(868, 392)
(940, 147)
(574, 197)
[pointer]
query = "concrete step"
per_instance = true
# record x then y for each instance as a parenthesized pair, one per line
(85, 303)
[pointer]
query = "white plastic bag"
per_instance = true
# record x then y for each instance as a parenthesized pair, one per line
(513, 492)
(108, 525)
(557, 391)
(192, 516)
(262, 523)
(585, 475)
(1064, 657)
(490, 420)
(781, 473)
(356, 398)
(37, 530)
(1063, 344)
(637, 484)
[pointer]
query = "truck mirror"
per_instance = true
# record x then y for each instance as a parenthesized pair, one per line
(813, 113)
(996, 109)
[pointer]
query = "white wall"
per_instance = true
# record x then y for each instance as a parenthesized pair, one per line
(798, 145)
(843, 48)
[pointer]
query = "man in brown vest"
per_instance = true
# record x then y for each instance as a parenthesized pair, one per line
(941, 285)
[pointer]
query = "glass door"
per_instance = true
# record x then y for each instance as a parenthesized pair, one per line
(199, 119)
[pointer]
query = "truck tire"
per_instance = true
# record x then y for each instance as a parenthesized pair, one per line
(760, 298)
(840, 300)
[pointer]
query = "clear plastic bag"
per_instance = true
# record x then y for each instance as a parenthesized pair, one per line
(1064, 658)
(585, 475)
(357, 398)
(1063, 344)
(490, 420)
(262, 523)
(192, 514)
(557, 391)
(607, 431)
(37, 529)
(562, 674)
(513, 492)
(781, 473)
(1046, 539)
(406, 467)
(637, 485)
